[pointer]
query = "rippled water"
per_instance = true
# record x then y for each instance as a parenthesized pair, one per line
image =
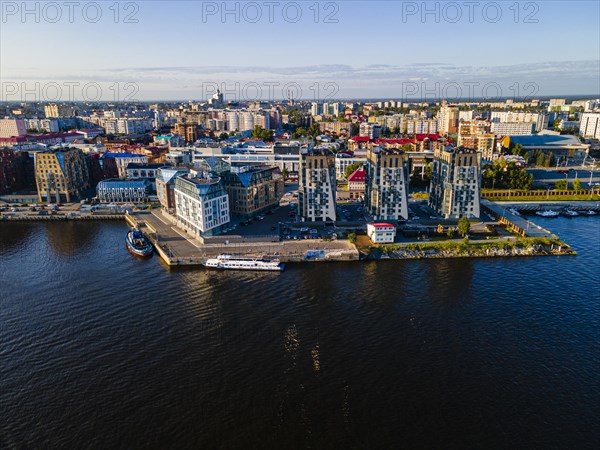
(99, 349)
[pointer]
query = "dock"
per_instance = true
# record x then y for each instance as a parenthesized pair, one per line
(519, 224)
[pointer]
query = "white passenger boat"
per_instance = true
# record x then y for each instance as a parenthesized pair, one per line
(547, 213)
(570, 213)
(237, 263)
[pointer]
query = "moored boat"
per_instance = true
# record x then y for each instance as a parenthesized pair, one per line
(138, 244)
(591, 212)
(547, 213)
(232, 262)
(570, 213)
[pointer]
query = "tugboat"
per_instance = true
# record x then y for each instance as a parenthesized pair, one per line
(138, 244)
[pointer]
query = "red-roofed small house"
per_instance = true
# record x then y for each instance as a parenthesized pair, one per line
(356, 183)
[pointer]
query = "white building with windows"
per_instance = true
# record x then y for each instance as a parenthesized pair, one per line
(201, 205)
(381, 233)
(589, 126)
(539, 120)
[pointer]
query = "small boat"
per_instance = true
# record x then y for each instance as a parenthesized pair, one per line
(514, 211)
(547, 213)
(138, 244)
(570, 213)
(591, 213)
(237, 263)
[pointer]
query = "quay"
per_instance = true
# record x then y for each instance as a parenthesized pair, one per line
(177, 248)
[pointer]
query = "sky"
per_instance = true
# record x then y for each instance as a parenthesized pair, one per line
(263, 50)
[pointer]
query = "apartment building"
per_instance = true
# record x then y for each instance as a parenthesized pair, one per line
(201, 204)
(512, 128)
(12, 128)
(454, 191)
(317, 186)
(122, 160)
(589, 126)
(165, 186)
(252, 189)
(476, 135)
(539, 120)
(387, 183)
(447, 119)
(420, 126)
(370, 130)
(61, 175)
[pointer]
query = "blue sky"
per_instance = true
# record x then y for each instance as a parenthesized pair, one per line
(178, 50)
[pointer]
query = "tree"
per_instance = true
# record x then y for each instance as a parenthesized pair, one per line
(577, 184)
(285, 173)
(464, 225)
(450, 232)
(260, 133)
(223, 136)
(352, 237)
(561, 185)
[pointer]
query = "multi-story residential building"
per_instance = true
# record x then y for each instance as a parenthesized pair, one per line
(512, 128)
(123, 191)
(122, 160)
(165, 186)
(447, 119)
(201, 204)
(589, 126)
(47, 125)
(317, 187)
(420, 126)
(12, 128)
(476, 135)
(539, 120)
(356, 183)
(370, 130)
(335, 127)
(54, 111)
(455, 183)
(127, 126)
(188, 130)
(61, 175)
(252, 189)
(387, 183)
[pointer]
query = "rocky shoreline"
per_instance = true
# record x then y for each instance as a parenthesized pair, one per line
(466, 249)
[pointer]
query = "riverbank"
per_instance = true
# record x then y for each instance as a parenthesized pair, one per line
(521, 246)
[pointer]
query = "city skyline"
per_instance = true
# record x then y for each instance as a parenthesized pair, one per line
(333, 50)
